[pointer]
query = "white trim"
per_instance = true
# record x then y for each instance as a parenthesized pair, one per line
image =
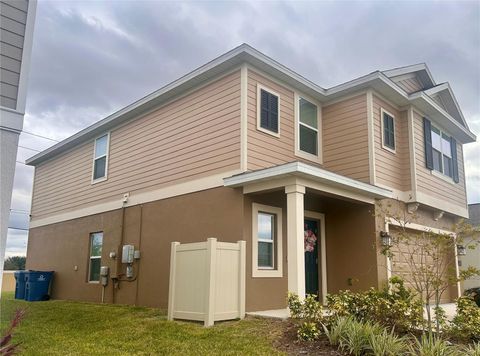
(442, 204)
(169, 191)
(382, 134)
(244, 118)
(371, 138)
(298, 152)
(323, 250)
(276, 271)
(412, 153)
(26, 55)
(405, 196)
(107, 156)
(442, 176)
(312, 174)
(261, 87)
(410, 69)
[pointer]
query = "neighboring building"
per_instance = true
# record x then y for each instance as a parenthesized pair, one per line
(244, 148)
(17, 19)
(472, 257)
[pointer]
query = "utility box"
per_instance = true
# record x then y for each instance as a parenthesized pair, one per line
(207, 281)
(128, 253)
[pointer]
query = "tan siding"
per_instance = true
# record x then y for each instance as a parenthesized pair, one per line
(410, 85)
(430, 184)
(345, 138)
(265, 150)
(392, 169)
(192, 137)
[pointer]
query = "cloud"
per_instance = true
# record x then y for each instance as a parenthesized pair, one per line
(90, 59)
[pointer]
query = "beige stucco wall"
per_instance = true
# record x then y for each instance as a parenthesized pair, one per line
(195, 136)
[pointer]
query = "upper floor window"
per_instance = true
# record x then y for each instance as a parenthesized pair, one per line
(95, 256)
(388, 131)
(308, 131)
(100, 158)
(440, 151)
(266, 241)
(268, 119)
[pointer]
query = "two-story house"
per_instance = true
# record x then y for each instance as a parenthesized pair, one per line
(244, 148)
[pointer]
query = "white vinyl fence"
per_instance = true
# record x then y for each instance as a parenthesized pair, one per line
(207, 281)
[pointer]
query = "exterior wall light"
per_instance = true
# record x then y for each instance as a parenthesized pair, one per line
(461, 250)
(386, 239)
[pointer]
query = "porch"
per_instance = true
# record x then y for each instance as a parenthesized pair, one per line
(294, 203)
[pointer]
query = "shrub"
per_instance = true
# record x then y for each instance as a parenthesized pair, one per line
(307, 313)
(466, 323)
(396, 308)
(308, 331)
(386, 343)
(429, 345)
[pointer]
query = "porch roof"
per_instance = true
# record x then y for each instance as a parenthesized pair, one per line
(309, 176)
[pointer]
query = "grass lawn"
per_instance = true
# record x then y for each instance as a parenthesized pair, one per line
(74, 328)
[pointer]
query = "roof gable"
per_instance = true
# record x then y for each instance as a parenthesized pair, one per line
(411, 78)
(443, 95)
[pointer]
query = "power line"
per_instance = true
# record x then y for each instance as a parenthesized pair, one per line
(34, 134)
(28, 148)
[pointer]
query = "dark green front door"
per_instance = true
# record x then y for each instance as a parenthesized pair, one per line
(311, 256)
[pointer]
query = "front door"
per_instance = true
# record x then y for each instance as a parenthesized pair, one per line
(312, 239)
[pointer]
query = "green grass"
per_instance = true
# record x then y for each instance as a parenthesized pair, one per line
(75, 328)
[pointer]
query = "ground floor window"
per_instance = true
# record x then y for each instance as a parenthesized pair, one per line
(266, 241)
(95, 256)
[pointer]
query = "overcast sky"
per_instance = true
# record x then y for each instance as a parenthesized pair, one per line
(90, 59)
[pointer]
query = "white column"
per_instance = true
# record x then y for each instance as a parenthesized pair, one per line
(295, 243)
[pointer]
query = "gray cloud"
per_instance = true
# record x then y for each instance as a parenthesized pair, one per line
(92, 58)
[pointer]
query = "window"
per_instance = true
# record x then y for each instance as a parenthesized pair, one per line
(266, 241)
(100, 158)
(308, 132)
(96, 240)
(440, 151)
(268, 119)
(388, 128)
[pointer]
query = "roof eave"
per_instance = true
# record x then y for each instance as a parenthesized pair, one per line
(307, 171)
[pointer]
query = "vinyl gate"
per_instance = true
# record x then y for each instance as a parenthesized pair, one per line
(207, 281)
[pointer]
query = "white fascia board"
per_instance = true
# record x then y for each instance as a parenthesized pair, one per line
(311, 172)
(430, 107)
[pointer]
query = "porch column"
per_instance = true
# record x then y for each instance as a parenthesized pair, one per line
(295, 243)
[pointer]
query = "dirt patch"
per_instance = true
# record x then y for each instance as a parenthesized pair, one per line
(285, 339)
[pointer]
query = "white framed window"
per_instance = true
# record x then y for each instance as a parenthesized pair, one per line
(95, 257)
(308, 131)
(100, 158)
(388, 131)
(266, 241)
(442, 152)
(268, 111)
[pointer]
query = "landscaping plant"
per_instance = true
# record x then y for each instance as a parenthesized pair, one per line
(431, 345)
(385, 343)
(465, 324)
(7, 348)
(307, 313)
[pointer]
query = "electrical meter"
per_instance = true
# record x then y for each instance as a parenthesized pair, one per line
(127, 253)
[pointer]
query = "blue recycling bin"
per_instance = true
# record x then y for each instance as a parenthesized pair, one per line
(37, 285)
(20, 284)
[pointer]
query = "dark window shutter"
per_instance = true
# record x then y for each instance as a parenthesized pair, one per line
(274, 113)
(453, 145)
(264, 109)
(427, 138)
